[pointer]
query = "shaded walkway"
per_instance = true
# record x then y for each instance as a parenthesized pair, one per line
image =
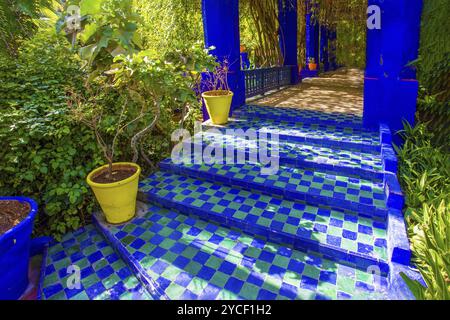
(338, 91)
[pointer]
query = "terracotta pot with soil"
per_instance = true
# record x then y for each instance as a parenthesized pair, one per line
(116, 190)
(16, 225)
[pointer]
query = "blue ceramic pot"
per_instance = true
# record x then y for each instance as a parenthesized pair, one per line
(14, 254)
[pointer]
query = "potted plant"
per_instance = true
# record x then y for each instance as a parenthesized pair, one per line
(16, 224)
(123, 96)
(125, 103)
(312, 65)
(115, 184)
(218, 96)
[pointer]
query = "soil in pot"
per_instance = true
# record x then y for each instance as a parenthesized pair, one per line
(218, 93)
(119, 173)
(12, 212)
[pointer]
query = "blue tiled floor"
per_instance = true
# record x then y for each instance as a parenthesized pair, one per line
(300, 132)
(313, 230)
(351, 161)
(299, 223)
(103, 274)
(193, 259)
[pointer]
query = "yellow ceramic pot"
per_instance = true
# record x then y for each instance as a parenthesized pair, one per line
(218, 105)
(118, 199)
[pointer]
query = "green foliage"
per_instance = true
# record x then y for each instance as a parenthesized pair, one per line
(18, 21)
(168, 25)
(45, 155)
(129, 90)
(108, 29)
(433, 68)
(351, 43)
(424, 173)
(46, 152)
(435, 111)
(434, 56)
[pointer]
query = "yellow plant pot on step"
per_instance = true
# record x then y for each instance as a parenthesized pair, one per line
(218, 104)
(118, 199)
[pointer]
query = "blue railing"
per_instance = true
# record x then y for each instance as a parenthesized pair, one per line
(260, 81)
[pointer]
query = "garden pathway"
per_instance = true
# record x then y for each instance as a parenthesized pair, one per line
(337, 91)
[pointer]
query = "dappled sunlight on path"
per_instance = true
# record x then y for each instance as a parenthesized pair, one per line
(339, 91)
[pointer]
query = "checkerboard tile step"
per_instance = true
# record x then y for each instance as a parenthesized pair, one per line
(313, 187)
(350, 162)
(344, 236)
(196, 260)
(322, 135)
(103, 274)
(298, 115)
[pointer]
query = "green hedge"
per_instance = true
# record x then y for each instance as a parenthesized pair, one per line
(424, 173)
(434, 71)
(45, 155)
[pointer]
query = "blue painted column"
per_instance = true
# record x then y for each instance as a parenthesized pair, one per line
(324, 58)
(221, 29)
(287, 17)
(390, 89)
(312, 40)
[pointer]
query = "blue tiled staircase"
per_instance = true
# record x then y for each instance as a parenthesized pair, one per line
(327, 225)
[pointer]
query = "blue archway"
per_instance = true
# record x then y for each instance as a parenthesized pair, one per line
(390, 89)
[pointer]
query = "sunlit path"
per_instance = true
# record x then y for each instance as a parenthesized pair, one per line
(338, 91)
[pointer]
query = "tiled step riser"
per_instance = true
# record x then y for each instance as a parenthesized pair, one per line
(266, 188)
(296, 119)
(267, 112)
(147, 282)
(300, 163)
(309, 140)
(303, 244)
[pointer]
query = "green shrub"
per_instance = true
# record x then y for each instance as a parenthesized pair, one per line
(424, 173)
(433, 66)
(45, 155)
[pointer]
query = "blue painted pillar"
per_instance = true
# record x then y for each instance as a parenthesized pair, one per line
(312, 39)
(324, 58)
(287, 17)
(221, 29)
(390, 89)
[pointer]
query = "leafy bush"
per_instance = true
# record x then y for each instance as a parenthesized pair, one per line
(435, 111)
(425, 177)
(433, 67)
(18, 21)
(45, 154)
